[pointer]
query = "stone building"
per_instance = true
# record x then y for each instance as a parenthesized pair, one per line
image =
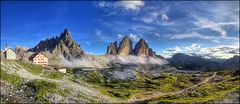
(39, 59)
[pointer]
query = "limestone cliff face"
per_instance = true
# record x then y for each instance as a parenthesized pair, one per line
(112, 49)
(63, 45)
(151, 52)
(125, 46)
(141, 48)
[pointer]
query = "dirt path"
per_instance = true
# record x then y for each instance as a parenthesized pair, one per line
(140, 97)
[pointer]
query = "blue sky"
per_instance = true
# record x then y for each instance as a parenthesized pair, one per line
(168, 27)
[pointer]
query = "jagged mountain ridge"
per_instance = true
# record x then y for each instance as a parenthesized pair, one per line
(63, 45)
(125, 48)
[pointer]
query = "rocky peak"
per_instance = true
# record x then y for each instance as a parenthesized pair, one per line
(125, 46)
(141, 48)
(63, 45)
(111, 49)
(66, 35)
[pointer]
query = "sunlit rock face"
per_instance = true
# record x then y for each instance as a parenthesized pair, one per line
(112, 49)
(141, 48)
(125, 46)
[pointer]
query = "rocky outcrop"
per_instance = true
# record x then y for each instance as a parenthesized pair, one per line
(141, 48)
(125, 47)
(21, 52)
(112, 49)
(63, 45)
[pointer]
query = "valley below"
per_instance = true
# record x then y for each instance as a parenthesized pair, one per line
(22, 82)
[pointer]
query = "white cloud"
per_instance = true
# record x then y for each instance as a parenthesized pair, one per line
(222, 10)
(165, 17)
(143, 28)
(195, 46)
(157, 35)
(120, 36)
(125, 5)
(203, 23)
(151, 17)
(207, 24)
(102, 4)
(134, 37)
(155, 17)
(130, 5)
(89, 53)
(229, 23)
(221, 52)
(192, 35)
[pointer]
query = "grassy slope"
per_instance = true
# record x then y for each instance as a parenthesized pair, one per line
(213, 91)
(41, 87)
(125, 89)
(13, 79)
(34, 69)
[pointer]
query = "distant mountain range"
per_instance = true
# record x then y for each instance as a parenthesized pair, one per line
(186, 62)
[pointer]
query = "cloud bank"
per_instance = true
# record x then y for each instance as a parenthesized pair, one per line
(221, 52)
(91, 61)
